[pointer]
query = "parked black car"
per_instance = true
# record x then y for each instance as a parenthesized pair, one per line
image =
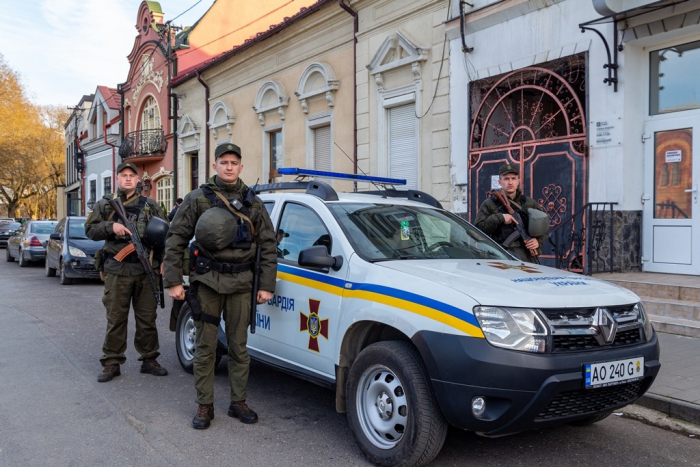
(70, 252)
(7, 228)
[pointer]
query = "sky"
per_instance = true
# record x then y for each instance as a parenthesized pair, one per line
(64, 49)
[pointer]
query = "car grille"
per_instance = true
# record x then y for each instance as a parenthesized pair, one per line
(575, 330)
(574, 343)
(589, 401)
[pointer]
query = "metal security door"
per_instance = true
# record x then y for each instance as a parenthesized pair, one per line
(533, 118)
(671, 229)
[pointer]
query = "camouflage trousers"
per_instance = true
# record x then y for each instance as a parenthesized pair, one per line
(236, 312)
(121, 292)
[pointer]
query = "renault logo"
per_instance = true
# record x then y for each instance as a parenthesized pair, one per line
(606, 325)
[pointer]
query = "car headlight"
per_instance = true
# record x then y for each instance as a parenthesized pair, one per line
(644, 318)
(513, 328)
(77, 252)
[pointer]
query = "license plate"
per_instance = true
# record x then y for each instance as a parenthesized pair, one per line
(598, 375)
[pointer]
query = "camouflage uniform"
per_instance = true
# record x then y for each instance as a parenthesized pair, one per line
(126, 282)
(490, 220)
(217, 291)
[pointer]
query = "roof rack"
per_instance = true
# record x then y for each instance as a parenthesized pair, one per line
(326, 192)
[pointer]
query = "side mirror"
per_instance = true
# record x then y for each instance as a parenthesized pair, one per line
(318, 257)
(55, 236)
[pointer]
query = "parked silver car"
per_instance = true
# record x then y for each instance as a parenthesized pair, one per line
(7, 229)
(29, 242)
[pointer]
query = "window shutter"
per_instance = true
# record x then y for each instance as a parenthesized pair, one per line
(403, 144)
(322, 148)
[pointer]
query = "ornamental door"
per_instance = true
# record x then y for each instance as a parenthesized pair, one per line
(533, 118)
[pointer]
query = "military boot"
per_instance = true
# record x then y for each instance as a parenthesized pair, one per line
(153, 367)
(204, 416)
(242, 412)
(108, 372)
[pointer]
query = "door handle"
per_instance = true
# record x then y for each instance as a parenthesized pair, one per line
(693, 190)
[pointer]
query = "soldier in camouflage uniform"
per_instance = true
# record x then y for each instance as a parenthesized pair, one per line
(228, 222)
(126, 282)
(493, 219)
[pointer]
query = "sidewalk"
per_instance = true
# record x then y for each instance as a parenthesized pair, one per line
(676, 391)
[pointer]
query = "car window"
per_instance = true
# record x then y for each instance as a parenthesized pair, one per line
(76, 228)
(269, 205)
(381, 232)
(300, 228)
(60, 226)
(42, 228)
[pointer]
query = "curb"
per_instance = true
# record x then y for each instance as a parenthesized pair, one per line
(674, 408)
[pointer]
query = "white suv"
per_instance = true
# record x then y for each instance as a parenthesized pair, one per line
(418, 320)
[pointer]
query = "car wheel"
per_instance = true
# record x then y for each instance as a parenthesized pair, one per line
(185, 339)
(23, 263)
(8, 256)
(63, 279)
(393, 413)
(588, 421)
(50, 272)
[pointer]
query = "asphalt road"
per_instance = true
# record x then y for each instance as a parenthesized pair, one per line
(53, 412)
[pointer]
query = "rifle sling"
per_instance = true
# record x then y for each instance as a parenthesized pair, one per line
(128, 201)
(234, 211)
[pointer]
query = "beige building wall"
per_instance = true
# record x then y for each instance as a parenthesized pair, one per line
(242, 113)
(399, 52)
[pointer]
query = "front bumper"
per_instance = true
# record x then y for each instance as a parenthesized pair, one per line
(524, 391)
(81, 268)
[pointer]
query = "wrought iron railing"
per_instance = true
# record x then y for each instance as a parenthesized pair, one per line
(143, 143)
(584, 241)
(670, 209)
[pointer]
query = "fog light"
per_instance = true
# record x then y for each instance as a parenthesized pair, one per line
(478, 406)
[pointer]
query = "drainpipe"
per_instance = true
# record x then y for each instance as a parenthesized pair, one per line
(120, 91)
(104, 133)
(356, 27)
(173, 130)
(206, 125)
(82, 172)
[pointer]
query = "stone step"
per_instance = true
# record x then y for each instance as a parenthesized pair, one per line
(680, 309)
(660, 291)
(680, 327)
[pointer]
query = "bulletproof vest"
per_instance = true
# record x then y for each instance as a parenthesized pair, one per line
(138, 212)
(210, 231)
(505, 230)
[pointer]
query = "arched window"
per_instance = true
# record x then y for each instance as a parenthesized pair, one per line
(150, 117)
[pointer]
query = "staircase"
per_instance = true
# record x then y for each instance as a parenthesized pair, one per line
(672, 301)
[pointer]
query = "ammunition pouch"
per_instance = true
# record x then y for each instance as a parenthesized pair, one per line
(100, 260)
(203, 265)
(196, 309)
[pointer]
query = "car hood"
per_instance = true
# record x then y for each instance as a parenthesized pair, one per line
(87, 245)
(514, 283)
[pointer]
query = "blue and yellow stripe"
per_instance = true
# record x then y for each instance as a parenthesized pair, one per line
(400, 299)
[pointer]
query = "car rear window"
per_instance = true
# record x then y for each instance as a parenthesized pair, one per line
(43, 228)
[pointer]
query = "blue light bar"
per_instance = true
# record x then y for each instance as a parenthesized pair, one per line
(344, 176)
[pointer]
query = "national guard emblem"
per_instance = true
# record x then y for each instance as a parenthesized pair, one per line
(313, 325)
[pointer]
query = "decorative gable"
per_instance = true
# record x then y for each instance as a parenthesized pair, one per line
(395, 52)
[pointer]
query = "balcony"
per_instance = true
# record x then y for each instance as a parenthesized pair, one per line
(143, 146)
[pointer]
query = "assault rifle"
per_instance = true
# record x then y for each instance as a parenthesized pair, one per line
(141, 252)
(519, 224)
(254, 298)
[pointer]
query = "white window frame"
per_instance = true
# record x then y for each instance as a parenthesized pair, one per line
(266, 147)
(313, 122)
(103, 175)
(169, 190)
(156, 114)
(396, 98)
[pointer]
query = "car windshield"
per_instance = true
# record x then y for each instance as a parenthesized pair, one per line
(381, 232)
(9, 225)
(42, 227)
(76, 229)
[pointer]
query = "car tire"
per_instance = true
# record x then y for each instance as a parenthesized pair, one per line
(63, 279)
(48, 270)
(588, 421)
(23, 263)
(185, 339)
(392, 410)
(8, 256)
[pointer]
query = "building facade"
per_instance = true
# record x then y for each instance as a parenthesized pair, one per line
(594, 102)
(100, 145)
(75, 128)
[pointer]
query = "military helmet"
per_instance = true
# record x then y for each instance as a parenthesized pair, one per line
(538, 222)
(216, 229)
(155, 233)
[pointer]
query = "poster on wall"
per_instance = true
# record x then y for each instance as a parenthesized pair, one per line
(673, 169)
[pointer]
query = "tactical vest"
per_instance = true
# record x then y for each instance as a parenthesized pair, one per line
(505, 230)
